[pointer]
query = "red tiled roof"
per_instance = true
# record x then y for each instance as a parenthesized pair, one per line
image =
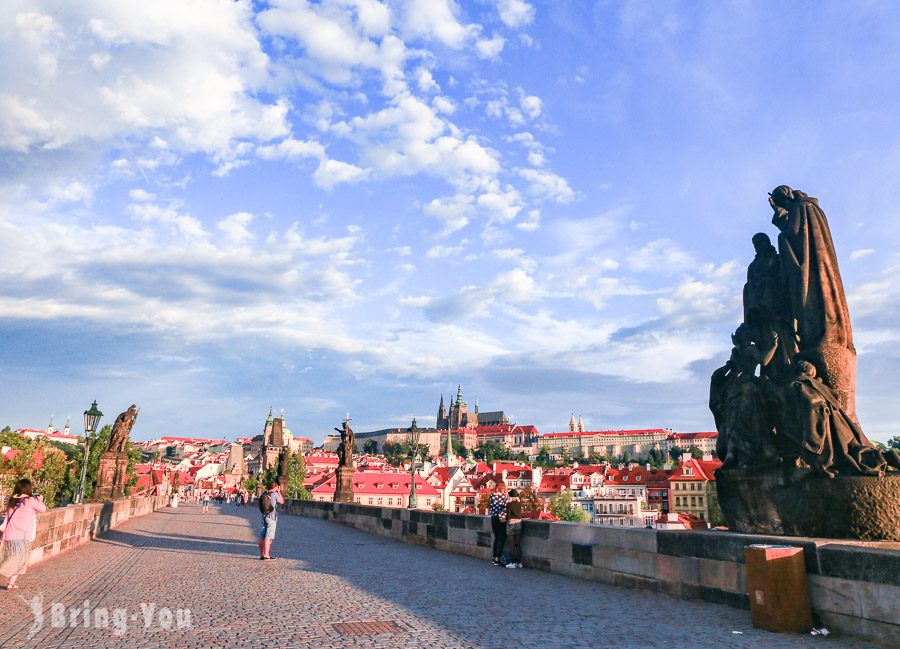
(379, 484)
(626, 476)
(689, 436)
(700, 470)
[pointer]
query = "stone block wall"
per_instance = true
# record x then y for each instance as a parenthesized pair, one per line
(855, 588)
(67, 527)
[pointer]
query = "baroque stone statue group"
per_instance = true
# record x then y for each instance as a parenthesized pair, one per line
(784, 402)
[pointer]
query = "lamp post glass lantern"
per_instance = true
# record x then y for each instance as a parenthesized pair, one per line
(412, 438)
(91, 421)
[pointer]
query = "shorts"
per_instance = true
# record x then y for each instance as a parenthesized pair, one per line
(267, 533)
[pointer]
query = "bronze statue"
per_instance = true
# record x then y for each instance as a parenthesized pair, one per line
(766, 307)
(738, 401)
(345, 448)
(825, 437)
(343, 487)
(795, 458)
(795, 316)
(817, 305)
(118, 439)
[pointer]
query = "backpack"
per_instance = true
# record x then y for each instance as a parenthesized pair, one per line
(265, 503)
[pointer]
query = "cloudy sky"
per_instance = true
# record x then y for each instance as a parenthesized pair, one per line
(213, 207)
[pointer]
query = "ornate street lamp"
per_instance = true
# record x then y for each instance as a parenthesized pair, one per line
(91, 421)
(412, 438)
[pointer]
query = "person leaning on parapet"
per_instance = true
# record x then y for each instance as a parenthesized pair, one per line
(19, 529)
(497, 510)
(514, 529)
(268, 506)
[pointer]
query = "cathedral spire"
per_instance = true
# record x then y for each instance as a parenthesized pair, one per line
(572, 425)
(580, 424)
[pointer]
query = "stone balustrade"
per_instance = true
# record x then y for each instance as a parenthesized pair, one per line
(855, 587)
(64, 528)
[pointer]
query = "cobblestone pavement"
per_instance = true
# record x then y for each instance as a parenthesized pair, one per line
(327, 574)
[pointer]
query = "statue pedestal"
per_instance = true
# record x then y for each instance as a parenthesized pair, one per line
(784, 501)
(111, 476)
(343, 492)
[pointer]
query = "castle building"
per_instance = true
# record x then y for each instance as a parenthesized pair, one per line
(459, 418)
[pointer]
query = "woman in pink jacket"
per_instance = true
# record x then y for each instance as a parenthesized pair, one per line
(19, 530)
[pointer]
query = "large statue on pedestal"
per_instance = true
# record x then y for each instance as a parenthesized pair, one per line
(783, 432)
(111, 477)
(343, 489)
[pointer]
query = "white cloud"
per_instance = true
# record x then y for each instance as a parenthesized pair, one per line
(531, 105)
(663, 255)
(532, 222)
(289, 149)
(415, 302)
(490, 48)
(189, 73)
(425, 81)
(235, 228)
(437, 19)
(333, 172)
(515, 13)
(547, 185)
(442, 252)
(453, 211)
(859, 254)
(140, 195)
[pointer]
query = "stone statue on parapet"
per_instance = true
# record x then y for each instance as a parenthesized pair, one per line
(118, 439)
(796, 420)
(343, 486)
(113, 466)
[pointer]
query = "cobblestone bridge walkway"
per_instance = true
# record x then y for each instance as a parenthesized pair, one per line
(327, 576)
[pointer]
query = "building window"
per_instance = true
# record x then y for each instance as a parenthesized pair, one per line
(371, 500)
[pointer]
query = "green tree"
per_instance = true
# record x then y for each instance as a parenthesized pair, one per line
(561, 506)
(296, 476)
(251, 485)
(894, 442)
(565, 457)
(269, 476)
(370, 447)
(597, 458)
(459, 448)
(695, 452)
(134, 457)
(93, 465)
(491, 451)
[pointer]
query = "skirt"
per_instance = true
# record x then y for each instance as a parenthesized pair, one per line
(14, 557)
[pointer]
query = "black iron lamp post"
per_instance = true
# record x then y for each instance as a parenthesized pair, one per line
(412, 438)
(91, 421)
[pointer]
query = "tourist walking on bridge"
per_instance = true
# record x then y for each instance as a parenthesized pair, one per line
(19, 529)
(268, 507)
(497, 510)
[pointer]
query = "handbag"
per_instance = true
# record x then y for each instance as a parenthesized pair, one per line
(9, 516)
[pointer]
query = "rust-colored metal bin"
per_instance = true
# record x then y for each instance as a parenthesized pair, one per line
(779, 591)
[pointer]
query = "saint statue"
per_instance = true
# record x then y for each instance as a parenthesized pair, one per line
(118, 439)
(739, 403)
(345, 448)
(824, 436)
(766, 308)
(816, 302)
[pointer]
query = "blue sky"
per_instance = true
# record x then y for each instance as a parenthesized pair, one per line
(209, 208)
